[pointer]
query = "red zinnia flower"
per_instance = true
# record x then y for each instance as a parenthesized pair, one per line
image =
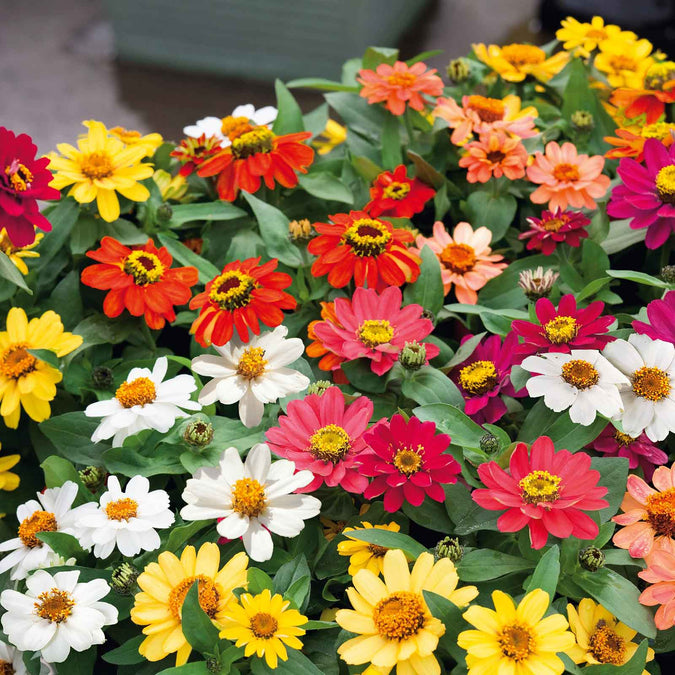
(23, 180)
(554, 227)
(244, 294)
(370, 250)
(547, 491)
(193, 152)
(397, 196)
(324, 435)
(408, 462)
(139, 279)
(256, 154)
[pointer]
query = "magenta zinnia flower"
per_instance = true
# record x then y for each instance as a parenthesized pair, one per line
(484, 376)
(408, 462)
(564, 328)
(375, 326)
(648, 193)
(547, 491)
(554, 227)
(322, 434)
(661, 315)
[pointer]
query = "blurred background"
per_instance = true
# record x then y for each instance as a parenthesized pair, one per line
(157, 65)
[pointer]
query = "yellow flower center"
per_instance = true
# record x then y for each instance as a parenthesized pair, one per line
(263, 625)
(478, 377)
(539, 486)
(399, 616)
(368, 237)
(40, 521)
(208, 595)
(651, 383)
(15, 361)
(252, 363)
(96, 165)
(658, 74)
(618, 62)
(554, 224)
(374, 332)
(606, 646)
(561, 330)
(402, 79)
(259, 139)
(409, 460)
(377, 551)
(232, 290)
(623, 439)
(20, 177)
(396, 190)
(488, 109)
(658, 130)
(565, 172)
(140, 391)
(122, 509)
(233, 127)
(665, 184)
(516, 641)
(661, 512)
(459, 258)
(145, 268)
(6, 668)
(248, 497)
(54, 605)
(580, 374)
(330, 443)
(523, 55)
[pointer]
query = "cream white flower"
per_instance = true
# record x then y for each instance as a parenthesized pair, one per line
(57, 614)
(125, 519)
(51, 512)
(253, 499)
(213, 126)
(11, 660)
(649, 398)
(253, 373)
(143, 401)
(583, 381)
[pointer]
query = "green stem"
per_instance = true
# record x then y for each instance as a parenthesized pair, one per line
(409, 128)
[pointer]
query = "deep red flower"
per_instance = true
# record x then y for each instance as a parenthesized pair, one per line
(408, 463)
(193, 152)
(139, 279)
(23, 180)
(397, 196)
(548, 492)
(243, 295)
(553, 228)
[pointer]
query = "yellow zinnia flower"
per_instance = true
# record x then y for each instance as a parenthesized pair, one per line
(583, 38)
(365, 556)
(333, 135)
(512, 639)
(16, 253)
(601, 638)
(624, 62)
(264, 625)
(170, 187)
(164, 585)
(8, 481)
(101, 167)
(130, 137)
(24, 379)
(394, 625)
(516, 61)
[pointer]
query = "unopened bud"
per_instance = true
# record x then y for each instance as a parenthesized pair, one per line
(591, 558)
(668, 274)
(458, 70)
(164, 213)
(102, 377)
(490, 444)
(449, 547)
(123, 579)
(300, 230)
(582, 120)
(93, 477)
(213, 664)
(198, 433)
(537, 283)
(319, 387)
(413, 356)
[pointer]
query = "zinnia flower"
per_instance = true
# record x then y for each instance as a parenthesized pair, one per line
(660, 573)
(661, 325)
(324, 435)
(393, 624)
(631, 142)
(334, 134)
(399, 85)
(225, 129)
(548, 492)
(495, 154)
(651, 98)
(99, 168)
(555, 227)
(466, 259)
(17, 253)
(397, 196)
(8, 480)
(329, 361)
(515, 62)
(12, 659)
(140, 280)
(193, 152)
(242, 296)
(364, 248)
(624, 62)
(583, 38)
(567, 178)
(149, 142)
(363, 555)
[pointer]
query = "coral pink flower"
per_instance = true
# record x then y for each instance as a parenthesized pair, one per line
(495, 154)
(466, 259)
(660, 573)
(397, 196)
(400, 85)
(408, 463)
(648, 515)
(373, 325)
(661, 324)
(324, 435)
(553, 228)
(548, 492)
(566, 178)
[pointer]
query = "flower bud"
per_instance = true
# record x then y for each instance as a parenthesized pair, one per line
(490, 444)
(198, 433)
(537, 283)
(591, 558)
(458, 70)
(318, 387)
(93, 477)
(668, 274)
(413, 356)
(213, 664)
(300, 230)
(123, 579)
(102, 377)
(164, 213)
(582, 120)
(449, 547)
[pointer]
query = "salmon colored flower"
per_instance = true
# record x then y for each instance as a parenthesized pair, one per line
(243, 295)
(494, 154)
(193, 152)
(624, 62)
(397, 196)
(631, 142)
(140, 280)
(466, 259)
(661, 574)
(329, 361)
(515, 62)
(584, 38)
(553, 228)
(399, 85)
(567, 178)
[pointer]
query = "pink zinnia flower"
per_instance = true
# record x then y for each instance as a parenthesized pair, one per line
(486, 375)
(548, 492)
(661, 315)
(564, 328)
(554, 227)
(408, 463)
(466, 259)
(566, 178)
(324, 435)
(661, 574)
(375, 326)
(494, 154)
(648, 193)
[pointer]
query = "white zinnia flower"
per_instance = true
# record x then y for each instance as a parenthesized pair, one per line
(11, 660)
(254, 499)
(125, 519)
(57, 614)
(252, 373)
(213, 126)
(143, 401)
(583, 381)
(52, 513)
(649, 400)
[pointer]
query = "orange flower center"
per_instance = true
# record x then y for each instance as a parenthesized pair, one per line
(330, 443)
(368, 237)
(651, 383)
(661, 512)
(523, 55)
(401, 79)
(140, 391)
(263, 625)
(659, 74)
(408, 460)
(553, 224)
(374, 332)
(232, 290)
(606, 646)
(623, 439)
(252, 363)
(516, 641)
(597, 34)
(233, 127)
(258, 140)
(6, 668)
(377, 551)
(96, 165)
(20, 177)
(396, 190)
(39, 521)
(565, 172)
(580, 374)
(622, 62)
(665, 184)
(248, 497)
(208, 595)
(54, 605)
(561, 330)
(122, 509)
(478, 377)
(459, 258)
(495, 156)
(144, 267)
(488, 109)
(399, 616)
(15, 361)
(539, 486)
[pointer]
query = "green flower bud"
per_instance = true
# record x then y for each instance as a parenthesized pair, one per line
(582, 120)
(123, 579)
(668, 274)
(213, 664)
(490, 444)
(102, 377)
(198, 433)
(318, 387)
(591, 558)
(164, 213)
(93, 477)
(413, 356)
(458, 70)
(449, 547)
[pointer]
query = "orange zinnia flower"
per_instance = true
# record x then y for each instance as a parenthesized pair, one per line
(631, 142)
(329, 361)
(650, 101)
(566, 178)
(495, 154)
(370, 250)
(139, 279)
(400, 85)
(244, 294)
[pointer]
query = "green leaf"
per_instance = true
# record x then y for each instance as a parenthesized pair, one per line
(126, 654)
(635, 666)
(591, 289)
(46, 355)
(389, 539)
(289, 115)
(546, 573)
(197, 627)
(428, 289)
(374, 56)
(427, 173)
(258, 581)
(186, 256)
(326, 186)
(181, 534)
(496, 212)
(78, 663)
(639, 278)
(58, 470)
(465, 513)
(484, 564)
(296, 664)
(429, 514)
(621, 236)
(366, 168)
(321, 84)
(450, 420)
(451, 617)
(188, 213)
(99, 330)
(292, 580)
(429, 385)
(464, 352)
(363, 378)
(194, 668)
(9, 271)
(71, 435)
(613, 476)
(391, 143)
(64, 544)
(62, 217)
(429, 54)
